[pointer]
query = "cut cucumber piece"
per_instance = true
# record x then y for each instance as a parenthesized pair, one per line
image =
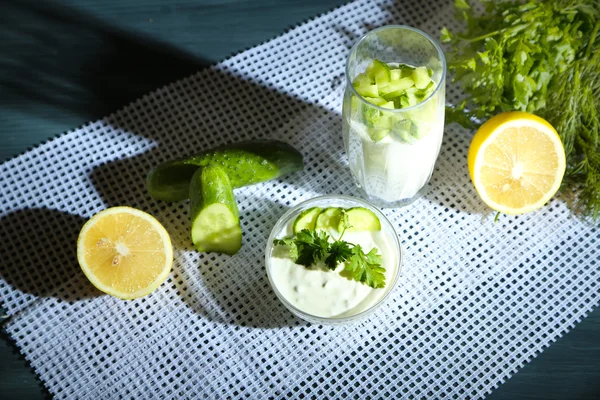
(380, 72)
(361, 219)
(372, 117)
(405, 130)
(329, 218)
(363, 79)
(214, 212)
(378, 134)
(406, 70)
(408, 100)
(378, 101)
(367, 90)
(395, 74)
(421, 77)
(422, 94)
(245, 163)
(396, 88)
(307, 219)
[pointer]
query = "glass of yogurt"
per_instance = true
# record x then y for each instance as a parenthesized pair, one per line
(324, 296)
(393, 113)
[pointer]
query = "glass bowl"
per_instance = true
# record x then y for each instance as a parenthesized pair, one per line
(374, 299)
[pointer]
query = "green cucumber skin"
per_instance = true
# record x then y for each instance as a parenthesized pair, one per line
(245, 163)
(210, 185)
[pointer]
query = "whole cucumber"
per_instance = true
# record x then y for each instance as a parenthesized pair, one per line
(245, 163)
(214, 212)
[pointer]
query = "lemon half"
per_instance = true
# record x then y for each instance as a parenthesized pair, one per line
(124, 252)
(516, 162)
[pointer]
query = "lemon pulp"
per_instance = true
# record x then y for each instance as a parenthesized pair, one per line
(124, 252)
(516, 162)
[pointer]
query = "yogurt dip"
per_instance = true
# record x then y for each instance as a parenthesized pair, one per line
(323, 293)
(392, 169)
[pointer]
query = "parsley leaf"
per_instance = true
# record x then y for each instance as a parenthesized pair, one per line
(309, 247)
(339, 252)
(366, 268)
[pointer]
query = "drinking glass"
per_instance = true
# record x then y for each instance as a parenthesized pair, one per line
(392, 152)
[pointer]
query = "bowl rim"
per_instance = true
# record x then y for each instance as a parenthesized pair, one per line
(284, 220)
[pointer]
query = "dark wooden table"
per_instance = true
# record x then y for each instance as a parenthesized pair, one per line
(66, 62)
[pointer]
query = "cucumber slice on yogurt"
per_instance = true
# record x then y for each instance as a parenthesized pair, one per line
(329, 218)
(361, 219)
(307, 219)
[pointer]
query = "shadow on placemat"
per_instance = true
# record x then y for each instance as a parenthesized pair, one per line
(60, 58)
(239, 292)
(38, 253)
(195, 116)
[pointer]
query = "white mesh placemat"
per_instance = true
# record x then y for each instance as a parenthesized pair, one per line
(476, 299)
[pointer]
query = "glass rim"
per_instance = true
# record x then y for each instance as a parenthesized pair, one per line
(410, 28)
(284, 219)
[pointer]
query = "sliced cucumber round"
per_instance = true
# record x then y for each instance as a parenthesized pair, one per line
(329, 218)
(307, 219)
(361, 219)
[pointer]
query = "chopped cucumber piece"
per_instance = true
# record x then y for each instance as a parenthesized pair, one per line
(307, 219)
(408, 100)
(395, 74)
(329, 218)
(395, 88)
(406, 70)
(405, 130)
(421, 77)
(378, 101)
(361, 219)
(380, 72)
(378, 134)
(422, 94)
(372, 117)
(363, 79)
(367, 90)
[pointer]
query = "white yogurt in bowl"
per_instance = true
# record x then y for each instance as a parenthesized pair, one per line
(325, 296)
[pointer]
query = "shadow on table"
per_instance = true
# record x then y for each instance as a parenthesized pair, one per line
(64, 59)
(38, 253)
(240, 293)
(196, 115)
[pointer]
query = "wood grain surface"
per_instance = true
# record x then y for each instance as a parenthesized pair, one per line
(66, 62)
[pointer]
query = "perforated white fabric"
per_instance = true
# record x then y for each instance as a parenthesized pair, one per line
(476, 299)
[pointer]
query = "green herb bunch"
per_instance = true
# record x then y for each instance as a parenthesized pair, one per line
(310, 247)
(541, 57)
